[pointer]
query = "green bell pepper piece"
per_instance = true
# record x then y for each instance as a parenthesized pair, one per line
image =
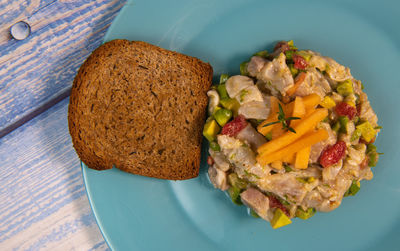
(221, 89)
(230, 104)
(243, 68)
(293, 70)
(214, 146)
(235, 181)
(223, 78)
(234, 193)
(343, 120)
(304, 215)
(289, 54)
(345, 88)
(222, 116)
(354, 188)
(254, 214)
(356, 135)
(304, 54)
(336, 126)
(263, 54)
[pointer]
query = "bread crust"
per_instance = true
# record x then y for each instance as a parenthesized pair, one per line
(140, 108)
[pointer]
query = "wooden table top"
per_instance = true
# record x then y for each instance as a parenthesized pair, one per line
(43, 202)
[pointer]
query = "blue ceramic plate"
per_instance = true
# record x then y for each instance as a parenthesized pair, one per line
(140, 213)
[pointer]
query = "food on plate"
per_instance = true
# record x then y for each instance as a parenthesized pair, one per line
(140, 108)
(291, 135)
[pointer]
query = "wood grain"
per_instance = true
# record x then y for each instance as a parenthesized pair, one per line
(17, 11)
(43, 203)
(43, 199)
(40, 68)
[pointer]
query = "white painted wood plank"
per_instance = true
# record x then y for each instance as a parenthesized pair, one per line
(38, 69)
(43, 199)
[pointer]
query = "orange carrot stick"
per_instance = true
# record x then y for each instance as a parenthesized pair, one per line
(305, 141)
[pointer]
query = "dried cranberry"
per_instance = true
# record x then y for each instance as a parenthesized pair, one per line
(275, 203)
(299, 62)
(210, 161)
(282, 46)
(344, 109)
(233, 127)
(333, 154)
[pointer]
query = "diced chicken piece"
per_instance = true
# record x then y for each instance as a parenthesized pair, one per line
(329, 205)
(335, 71)
(327, 198)
(254, 110)
(235, 84)
(366, 174)
(228, 143)
(276, 75)
(253, 103)
(259, 171)
(314, 82)
(238, 153)
(314, 199)
(329, 173)
(251, 136)
(267, 100)
(262, 86)
(366, 111)
(357, 87)
(356, 154)
(249, 94)
(312, 171)
(350, 170)
(332, 82)
(336, 97)
(257, 201)
(213, 101)
(243, 158)
(350, 99)
(342, 183)
(284, 185)
(317, 149)
(220, 160)
(255, 65)
(327, 192)
(218, 178)
(317, 61)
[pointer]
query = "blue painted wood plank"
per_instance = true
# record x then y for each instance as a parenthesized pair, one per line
(43, 199)
(11, 11)
(37, 70)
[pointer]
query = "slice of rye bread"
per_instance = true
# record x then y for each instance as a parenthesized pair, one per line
(140, 108)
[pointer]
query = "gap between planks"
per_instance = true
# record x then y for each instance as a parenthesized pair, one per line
(34, 13)
(39, 110)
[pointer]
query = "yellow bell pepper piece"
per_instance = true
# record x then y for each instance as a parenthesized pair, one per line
(367, 131)
(328, 102)
(280, 219)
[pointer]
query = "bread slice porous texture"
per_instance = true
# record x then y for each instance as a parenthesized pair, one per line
(140, 108)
